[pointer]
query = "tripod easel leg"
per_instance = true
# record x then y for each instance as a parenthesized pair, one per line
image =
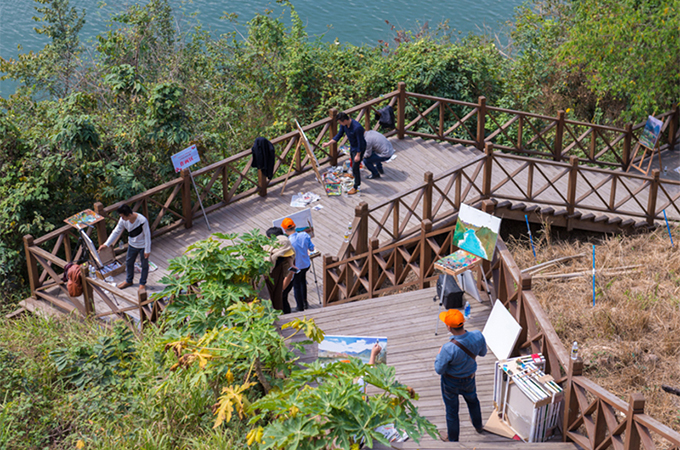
(441, 302)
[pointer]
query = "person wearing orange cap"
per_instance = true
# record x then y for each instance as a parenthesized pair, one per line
(457, 366)
(302, 244)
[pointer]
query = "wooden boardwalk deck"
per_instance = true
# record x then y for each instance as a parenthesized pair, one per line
(408, 321)
(414, 157)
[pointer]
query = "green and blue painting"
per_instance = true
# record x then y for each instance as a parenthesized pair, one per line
(476, 232)
(339, 348)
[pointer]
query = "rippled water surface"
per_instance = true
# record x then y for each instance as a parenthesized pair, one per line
(356, 22)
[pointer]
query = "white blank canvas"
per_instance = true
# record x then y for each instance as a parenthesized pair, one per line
(501, 331)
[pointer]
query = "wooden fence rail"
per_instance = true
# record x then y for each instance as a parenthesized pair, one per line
(594, 418)
(175, 204)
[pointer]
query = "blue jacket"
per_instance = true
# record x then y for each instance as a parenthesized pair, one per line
(454, 361)
(355, 135)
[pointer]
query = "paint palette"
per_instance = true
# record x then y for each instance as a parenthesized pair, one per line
(83, 219)
(458, 261)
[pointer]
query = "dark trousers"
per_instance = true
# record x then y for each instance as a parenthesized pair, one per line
(130, 264)
(284, 298)
(356, 170)
(274, 285)
(300, 288)
(451, 389)
(374, 161)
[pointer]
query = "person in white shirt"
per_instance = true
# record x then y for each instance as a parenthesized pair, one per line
(139, 243)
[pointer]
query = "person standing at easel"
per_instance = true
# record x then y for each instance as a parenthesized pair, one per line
(302, 244)
(139, 243)
(355, 135)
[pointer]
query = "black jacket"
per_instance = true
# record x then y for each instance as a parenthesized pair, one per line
(264, 157)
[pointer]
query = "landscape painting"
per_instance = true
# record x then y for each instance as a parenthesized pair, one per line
(651, 132)
(476, 232)
(338, 348)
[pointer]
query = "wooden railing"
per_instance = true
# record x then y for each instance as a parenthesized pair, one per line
(594, 418)
(175, 204)
(523, 133)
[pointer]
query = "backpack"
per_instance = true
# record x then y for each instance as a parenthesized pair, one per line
(385, 117)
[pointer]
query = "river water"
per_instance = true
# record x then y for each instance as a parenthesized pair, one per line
(351, 21)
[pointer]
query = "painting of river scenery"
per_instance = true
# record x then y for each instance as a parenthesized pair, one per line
(476, 232)
(338, 348)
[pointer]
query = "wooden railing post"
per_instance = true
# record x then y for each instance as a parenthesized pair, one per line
(627, 139)
(361, 211)
(141, 298)
(673, 127)
(425, 253)
(262, 183)
(372, 267)
(186, 199)
(651, 199)
(441, 120)
(488, 166)
(635, 406)
(427, 196)
(571, 408)
(401, 111)
(225, 184)
(88, 296)
(32, 263)
(481, 122)
(559, 134)
(571, 190)
(327, 280)
(101, 225)
(367, 118)
(333, 114)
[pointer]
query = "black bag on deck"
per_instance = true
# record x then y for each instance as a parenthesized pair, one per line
(453, 295)
(385, 116)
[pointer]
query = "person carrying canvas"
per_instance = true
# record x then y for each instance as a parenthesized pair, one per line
(357, 142)
(139, 243)
(456, 363)
(302, 244)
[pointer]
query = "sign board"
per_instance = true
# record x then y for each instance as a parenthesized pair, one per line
(185, 158)
(302, 219)
(501, 331)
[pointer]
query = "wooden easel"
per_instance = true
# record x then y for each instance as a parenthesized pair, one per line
(645, 151)
(310, 154)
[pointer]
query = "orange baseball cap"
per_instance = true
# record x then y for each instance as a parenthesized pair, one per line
(287, 223)
(452, 318)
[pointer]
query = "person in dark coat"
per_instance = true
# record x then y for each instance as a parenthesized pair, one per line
(282, 256)
(264, 157)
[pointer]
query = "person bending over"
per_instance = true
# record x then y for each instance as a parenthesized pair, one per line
(357, 142)
(139, 243)
(378, 150)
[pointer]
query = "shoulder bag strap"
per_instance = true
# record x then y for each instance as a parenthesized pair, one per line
(462, 347)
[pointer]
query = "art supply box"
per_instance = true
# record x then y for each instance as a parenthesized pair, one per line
(111, 266)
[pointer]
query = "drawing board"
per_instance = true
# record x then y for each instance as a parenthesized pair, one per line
(94, 254)
(338, 348)
(501, 331)
(476, 232)
(302, 219)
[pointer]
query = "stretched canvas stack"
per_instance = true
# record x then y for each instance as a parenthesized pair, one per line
(527, 400)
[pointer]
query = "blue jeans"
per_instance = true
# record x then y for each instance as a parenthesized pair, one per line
(132, 253)
(451, 389)
(372, 161)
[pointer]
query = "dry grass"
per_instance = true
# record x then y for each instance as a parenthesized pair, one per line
(630, 340)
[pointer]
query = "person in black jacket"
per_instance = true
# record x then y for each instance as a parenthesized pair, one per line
(357, 142)
(264, 156)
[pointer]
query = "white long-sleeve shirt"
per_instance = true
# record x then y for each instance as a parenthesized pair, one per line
(142, 240)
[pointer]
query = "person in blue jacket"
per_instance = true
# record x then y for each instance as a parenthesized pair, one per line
(456, 363)
(302, 244)
(357, 142)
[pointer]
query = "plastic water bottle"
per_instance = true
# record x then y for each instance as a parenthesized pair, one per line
(467, 310)
(92, 271)
(574, 350)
